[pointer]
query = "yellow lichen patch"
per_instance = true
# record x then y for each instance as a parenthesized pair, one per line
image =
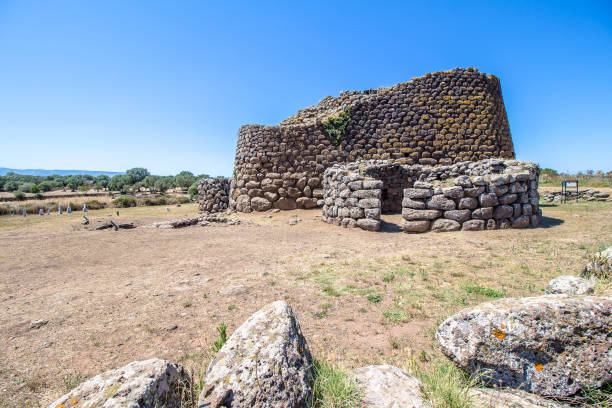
(110, 391)
(62, 405)
(499, 334)
(503, 326)
(539, 366)
(74, 401)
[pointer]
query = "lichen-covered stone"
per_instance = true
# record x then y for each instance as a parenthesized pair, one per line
(571, 285)
(509, 398)
(444, 225)
(549, 345)
(265, 363)
(144, 384)
(385, 386)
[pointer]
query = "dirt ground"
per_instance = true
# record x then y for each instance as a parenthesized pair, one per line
(109, 297)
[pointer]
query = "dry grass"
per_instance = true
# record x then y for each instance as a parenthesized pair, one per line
(361, 297)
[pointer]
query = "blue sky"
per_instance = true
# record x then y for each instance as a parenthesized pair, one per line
(109, 85)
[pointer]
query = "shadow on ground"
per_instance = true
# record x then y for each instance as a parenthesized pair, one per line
(389, 227)
(548, 222)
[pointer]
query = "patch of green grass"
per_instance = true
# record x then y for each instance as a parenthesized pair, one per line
(71, 381)
(320, 315)
(484, 291)
(444, 385)
(333, 387)
(388, 277)
(187, 304)
(375, 297)
(231, 307)
(396, 315)
(331, 291)
(222, 330)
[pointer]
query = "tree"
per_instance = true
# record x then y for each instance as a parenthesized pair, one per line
(47, 185)
(34, 189)
(184, 179)
(193, 190)
(102, 181)
(162, 184)
(10, 186)
(116, 183)
(137, 174)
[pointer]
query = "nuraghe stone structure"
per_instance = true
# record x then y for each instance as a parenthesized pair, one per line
(472, 196)
(439, 119)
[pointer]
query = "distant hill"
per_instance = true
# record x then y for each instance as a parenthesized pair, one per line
(42, 172)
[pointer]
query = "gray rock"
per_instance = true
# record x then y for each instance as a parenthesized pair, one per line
(411, 203)
(285, 203)
(368, 224)
(372, 184)
(468, 203)
(439, 202)
(37, 324)
(415, 226)
(473, 225)
(260, 204)
(410, 214)
(265, 363)
(503, 211)
(549, 345)
(305, 202)
(417, 193)
(385, 386)
(373, 213)
(463, 181)
(509, 398)
(422, 184)
(453, 192)
(571, 285)
(444, 225)
(483, 213)
(147, 384)
(369, 203)
(508, 198)
(458, 215)
(488, 200)
(521, 222)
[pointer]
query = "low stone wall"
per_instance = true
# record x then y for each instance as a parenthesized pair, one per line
(588, 195)
(214, 194)
(487, 194)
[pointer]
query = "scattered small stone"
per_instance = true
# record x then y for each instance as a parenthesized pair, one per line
(571, 285)
(37, 324)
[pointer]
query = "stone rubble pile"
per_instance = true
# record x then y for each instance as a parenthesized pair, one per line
(587, 195)
(203, 220)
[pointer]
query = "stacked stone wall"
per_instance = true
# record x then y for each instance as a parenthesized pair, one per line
(488, 194)
(439, 119)
(214, 194)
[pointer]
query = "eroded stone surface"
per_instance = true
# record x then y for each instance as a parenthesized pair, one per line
(572, 285)
(549, 345)
(385, 386)
(142, 384)
(509, 398)
(265, 363)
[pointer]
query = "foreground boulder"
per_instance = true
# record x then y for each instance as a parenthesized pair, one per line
(508, 398)
(549, 345)
(265, 363)
(571, 285)
(385, 386)
(142, 384)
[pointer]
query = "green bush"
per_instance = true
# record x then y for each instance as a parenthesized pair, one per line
(95, 205)
(19, 195)
(34, 189)
(335, 127)
(182, 200)
(84, 188)
(124, 202)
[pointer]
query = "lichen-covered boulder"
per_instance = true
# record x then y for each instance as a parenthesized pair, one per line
(549, 345)
(140, 384)
(571, 285)
(509, 398)
(265, 363)
(385, 386)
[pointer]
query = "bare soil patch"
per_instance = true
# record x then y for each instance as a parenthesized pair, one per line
(111, 297)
